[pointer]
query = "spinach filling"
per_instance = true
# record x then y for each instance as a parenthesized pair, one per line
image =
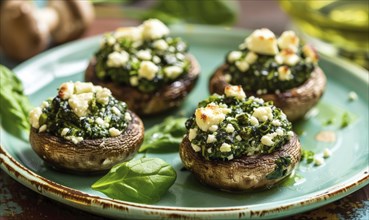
(263, 73)
(174, 55)
(58, 115)
(245, 139)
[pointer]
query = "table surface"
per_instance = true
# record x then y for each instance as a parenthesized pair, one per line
(19, 202)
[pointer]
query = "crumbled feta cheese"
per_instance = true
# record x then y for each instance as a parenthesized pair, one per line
(284, 73)
(225, 148)
(262, 41)
(154, 29)
(254, 121)
(310, 53)
(144, 54)
(79, 103)
(212, 114)
(110, 40)
(64, 131)
(34, 117)
(318, 161)
(42, 128)
(116, 110)
(234, 56)
(288, 57)
(242, 65)
(129, 33)
(100, 121)
(235, 91)
(102, 96)
(156, 59)
(211, 139)
(209, 150)
(117, 47)
(127, 116)
(173, 72)
(147, 70)
(213, 128)
(263, 113)
(45, 104)
(251, 57)
(133, 80)
(288, 40)
(227, 77)
(268, 139)
(279, 131)
(160, 44)
(238, 137)
(196, 148)
(180, 56)
(352, 96)
(327, 153)
(66, 90)
(114, 132)
(192, 134)
(290, 134)
(276, 122)
(229, 128)
(83, 87)
(74, 139)
(117, 59)
(230, 157)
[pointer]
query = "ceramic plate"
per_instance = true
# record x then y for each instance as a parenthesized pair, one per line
(310, 186)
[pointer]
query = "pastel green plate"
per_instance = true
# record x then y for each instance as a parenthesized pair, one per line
(310, 187)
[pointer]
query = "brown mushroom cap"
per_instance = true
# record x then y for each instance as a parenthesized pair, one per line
(168, 97)
(295, 102)
(240, 174)
(74, 18)
(90, 155)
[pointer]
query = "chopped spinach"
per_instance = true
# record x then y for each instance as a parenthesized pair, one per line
(307, 155)
(345, 120)
(281, 168)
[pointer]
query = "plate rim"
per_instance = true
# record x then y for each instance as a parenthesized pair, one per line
(84, 200)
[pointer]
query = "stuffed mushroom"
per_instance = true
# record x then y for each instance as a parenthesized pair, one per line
(145, 67)
(280, 70)
(84, 129)
(236, 143)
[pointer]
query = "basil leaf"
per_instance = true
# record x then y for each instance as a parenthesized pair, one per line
(165, 136)
(15, 106)
(144, 180)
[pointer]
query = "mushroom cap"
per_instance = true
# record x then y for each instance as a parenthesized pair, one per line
(240, 174)
(295, 102)
(74, 18)
(21, 36)
(89, 155)
(166, 98)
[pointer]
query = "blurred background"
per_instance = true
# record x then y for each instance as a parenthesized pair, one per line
(335, 27)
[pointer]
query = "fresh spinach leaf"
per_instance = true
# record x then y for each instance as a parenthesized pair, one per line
(14, 104)
(144, 180)
(280, 169)
(165, 136)
(307, 155)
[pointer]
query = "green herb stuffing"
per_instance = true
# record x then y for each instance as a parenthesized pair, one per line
(174, 55)
(246, 137)
(58, 115)
(281, 168)
(144, 180)
(263, 74)
(307, 155)
(345, 120)
(165, 136)
(14, 104)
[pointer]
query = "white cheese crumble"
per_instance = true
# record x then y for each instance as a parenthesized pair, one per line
(288, 57)
(211, 139)
(64, 131)
(235, 91)
(318, 161)
(144, 54)
(147, 70)
(42, 128)
(127, 116)
(279, 131)
(192, 134)
(213, 128)
(117, 59)
(288, 40)
(254, 121)
(212, 114)
(238, 137)
(196, 148)
(352, 96)
(79, 103)
(173, 72)
(116, 111)
(225, 148)
(230, 157)
(284, 73)
(133, 80)
(229, 128)
(130, 33)
(290, 134)
(66, 90)
(44, 105)
(102, 95)
(34, 117)
(263, 113)
(327, 153)
(251, 57)
(268, 139)
(262, 41)
(156, 59)
(234, 56)
(227, 77)
(276, 123)
(310, 54)
(242, 65)
(83, 87)
(114, 132)
(154, 29)
(160, 44)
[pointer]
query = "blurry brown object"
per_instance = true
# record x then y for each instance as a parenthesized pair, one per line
(26, 30)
